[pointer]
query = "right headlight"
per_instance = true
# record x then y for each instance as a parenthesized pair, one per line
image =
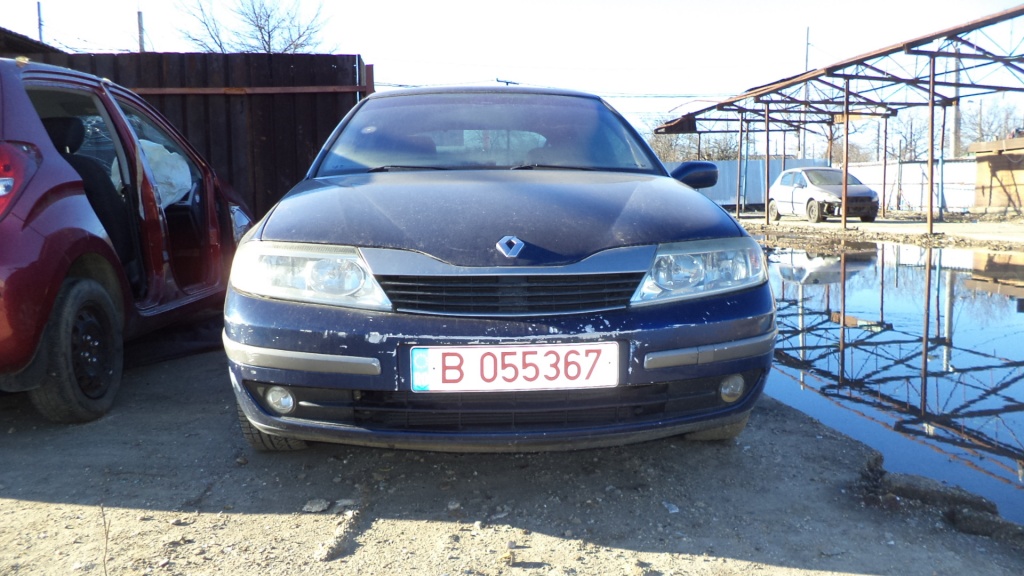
(695, 269)
(319, 274)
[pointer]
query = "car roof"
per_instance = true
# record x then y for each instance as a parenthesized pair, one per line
(482, 90)
(33, 66)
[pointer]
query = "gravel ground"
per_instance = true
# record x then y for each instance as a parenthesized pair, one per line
(166, 485)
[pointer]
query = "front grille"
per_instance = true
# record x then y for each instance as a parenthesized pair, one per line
(510, 295)
(496, 412)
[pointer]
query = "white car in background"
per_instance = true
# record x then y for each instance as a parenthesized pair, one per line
(817, 194)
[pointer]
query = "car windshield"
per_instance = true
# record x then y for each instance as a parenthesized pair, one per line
(486, 130)
(830, 178)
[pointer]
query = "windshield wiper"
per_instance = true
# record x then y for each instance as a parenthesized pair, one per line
(550, 167)
(390, 167)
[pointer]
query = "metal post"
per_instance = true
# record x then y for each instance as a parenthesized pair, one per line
(956, 103)
(885, 159)
(783, 169)
(931, 142)
(767, 163)
(846, 144)
(941, 188)
(739, 167)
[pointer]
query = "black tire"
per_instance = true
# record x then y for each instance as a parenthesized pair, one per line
(773, 211)
(814, 211)
(263, 442)
(84, 350)
(868, 218)
(720, 434)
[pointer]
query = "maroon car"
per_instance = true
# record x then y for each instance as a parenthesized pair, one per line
(111, 225)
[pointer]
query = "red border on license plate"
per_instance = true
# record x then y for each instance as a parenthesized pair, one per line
(514, 367)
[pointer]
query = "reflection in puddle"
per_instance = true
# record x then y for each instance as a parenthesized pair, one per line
(917, 352)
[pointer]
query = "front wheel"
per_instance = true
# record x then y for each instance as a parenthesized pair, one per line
(867, 218)
(814, 211)
(773, 211)
(85, 354)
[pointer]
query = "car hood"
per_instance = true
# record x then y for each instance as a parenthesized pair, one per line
(459, 216)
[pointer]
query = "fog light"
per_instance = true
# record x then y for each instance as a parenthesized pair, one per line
(280, 400)
(731, 388)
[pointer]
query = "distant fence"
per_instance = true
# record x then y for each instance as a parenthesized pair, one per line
(259, 119)
(906, 183)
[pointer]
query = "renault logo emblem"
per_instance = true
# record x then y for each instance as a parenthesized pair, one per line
(510, 246)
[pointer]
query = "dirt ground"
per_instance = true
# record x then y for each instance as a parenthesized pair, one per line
(165, 485)
(993, 232)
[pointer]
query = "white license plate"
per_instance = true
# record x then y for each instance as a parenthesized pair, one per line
(500, 368)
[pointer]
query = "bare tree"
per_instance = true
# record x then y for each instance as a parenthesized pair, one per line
(908, 135)
(684, 147)
(719, 147)
(987, 120)
(256, 26)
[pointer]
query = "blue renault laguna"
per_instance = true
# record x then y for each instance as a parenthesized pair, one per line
(495, 269)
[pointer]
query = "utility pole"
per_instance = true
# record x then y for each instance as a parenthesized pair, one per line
(142, 36)
(956, 104)
(807, 66)
(39, 18)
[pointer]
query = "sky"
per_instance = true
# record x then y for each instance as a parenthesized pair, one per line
(646, 57)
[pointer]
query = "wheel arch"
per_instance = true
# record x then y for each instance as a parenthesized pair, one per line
(98, 268)
(87, 266)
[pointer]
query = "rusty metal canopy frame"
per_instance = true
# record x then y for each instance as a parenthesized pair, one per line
(974, 59)
(970, 60)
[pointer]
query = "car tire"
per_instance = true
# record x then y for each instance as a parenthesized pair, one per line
(773, 211)
(868, 218)
(722, 433)
(84, 354)
(814, 211)
(263, 442)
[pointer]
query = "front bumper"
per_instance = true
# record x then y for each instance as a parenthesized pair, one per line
(854, 207)
(352, 384)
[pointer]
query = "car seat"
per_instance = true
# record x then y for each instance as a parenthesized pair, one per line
(68, 134)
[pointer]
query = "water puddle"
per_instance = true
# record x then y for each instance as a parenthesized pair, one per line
(916, 352)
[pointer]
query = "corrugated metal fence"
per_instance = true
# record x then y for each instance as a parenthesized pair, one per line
(906, 183)
(259, 119)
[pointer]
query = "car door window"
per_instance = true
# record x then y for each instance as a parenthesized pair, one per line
(175, 176)
(62, 109)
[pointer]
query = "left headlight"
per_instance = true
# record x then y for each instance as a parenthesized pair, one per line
(333, 275)
(702, 268)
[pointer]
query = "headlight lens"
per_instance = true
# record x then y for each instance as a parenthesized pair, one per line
(695, 269)
(334, 275)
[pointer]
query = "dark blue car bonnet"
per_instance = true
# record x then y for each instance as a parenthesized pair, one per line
(458, 216)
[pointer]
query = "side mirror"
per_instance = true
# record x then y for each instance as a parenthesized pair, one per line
(240, 222)
(696, 174)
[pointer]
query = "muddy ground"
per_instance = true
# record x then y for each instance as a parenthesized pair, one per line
(165, 485)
